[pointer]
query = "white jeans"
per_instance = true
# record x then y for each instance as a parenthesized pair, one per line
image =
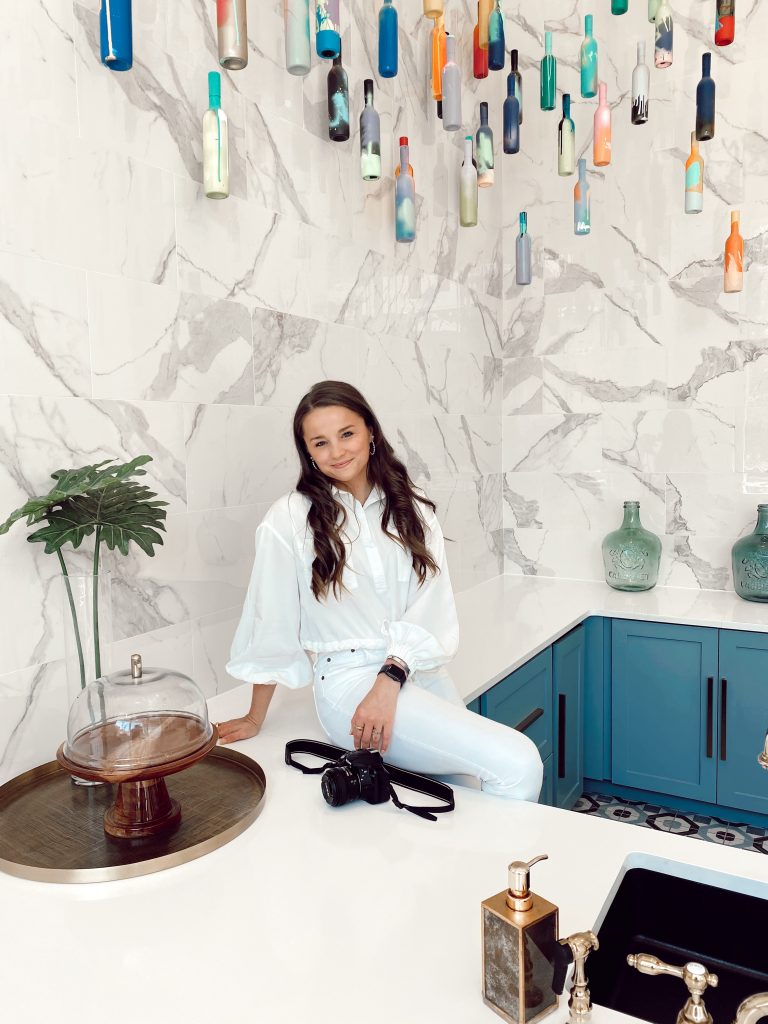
(433, 733)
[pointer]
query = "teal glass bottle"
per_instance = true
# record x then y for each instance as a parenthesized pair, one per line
(619, 6)
(523, 269)
(388, 40)
(588, 60)
(749, 560)
(631, 554)
(548, 74)
(497, 53)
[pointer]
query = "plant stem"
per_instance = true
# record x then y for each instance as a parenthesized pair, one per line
(96, 643)
(73, 610)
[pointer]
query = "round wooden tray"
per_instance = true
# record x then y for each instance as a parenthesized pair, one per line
(52, 830)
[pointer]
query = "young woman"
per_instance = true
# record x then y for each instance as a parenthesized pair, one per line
(350, 569)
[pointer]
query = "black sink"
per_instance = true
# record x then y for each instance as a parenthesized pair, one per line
(679, 920)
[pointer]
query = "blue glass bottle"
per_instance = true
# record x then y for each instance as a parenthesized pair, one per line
(631, 554)
(338, 102)
(405, 196)
(705, 101)
(518, 83)
(116, 34)
(327, 36)
(388, 40)
(511, 118)
(496, 46)
(588, 60)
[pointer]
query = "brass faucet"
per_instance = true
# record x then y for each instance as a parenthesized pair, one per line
(695, 976)
(753, 1008)
(575, 950)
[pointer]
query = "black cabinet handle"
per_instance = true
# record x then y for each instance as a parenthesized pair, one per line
(528, 721)
(561, 736)
(723, 719)
(710, 698)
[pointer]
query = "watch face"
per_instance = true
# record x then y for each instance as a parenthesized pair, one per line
(394, 672)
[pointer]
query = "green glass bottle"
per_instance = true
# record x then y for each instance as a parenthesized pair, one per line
(548, 75)
(749, 560)
(631, 554)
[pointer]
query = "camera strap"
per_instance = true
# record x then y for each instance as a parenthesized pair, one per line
(397, 776)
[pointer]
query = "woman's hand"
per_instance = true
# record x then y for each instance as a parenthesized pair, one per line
(238, 729)
(375, 715)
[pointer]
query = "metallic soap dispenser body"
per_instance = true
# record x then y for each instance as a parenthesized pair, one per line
(520, 930)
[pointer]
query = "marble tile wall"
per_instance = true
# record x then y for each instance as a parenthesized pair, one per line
(138, 317)
(628, 374)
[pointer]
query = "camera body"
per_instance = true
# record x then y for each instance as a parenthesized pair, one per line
(357, 775)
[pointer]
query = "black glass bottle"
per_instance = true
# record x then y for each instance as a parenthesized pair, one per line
(511, 137)
(518, 81)
(705, 101)
(338, 102)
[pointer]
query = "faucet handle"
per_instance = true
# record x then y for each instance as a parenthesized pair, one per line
(696, 977)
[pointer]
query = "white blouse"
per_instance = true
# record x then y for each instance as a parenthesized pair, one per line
(382, 605)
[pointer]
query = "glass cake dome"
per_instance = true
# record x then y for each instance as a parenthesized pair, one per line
(138, 719)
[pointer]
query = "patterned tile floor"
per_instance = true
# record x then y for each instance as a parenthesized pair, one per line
(697, 826)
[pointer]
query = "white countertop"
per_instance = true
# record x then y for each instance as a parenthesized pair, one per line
(329, 915)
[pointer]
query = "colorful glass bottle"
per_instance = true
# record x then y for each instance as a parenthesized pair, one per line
(631, 554)
(483, 19)
(705, 101)
(694, 179)
(484, 149)
(451, 87)
(523, 252)
(468, 187)
(619, 6)
(601, 145)
(479, 55)
(405, 196)
(511, 116)
(734, 257)
(566, 140)
(116, 34)
(338, 102)
(433, 9)
(548, 75)
(725, 22)
(641, 83)
(388, 40)
(518, 81)
(582, 214)
(215, 143)
(662, 55)
(438, 57)
(297, 44)
(232, 32)
(749, 561)
(370, 137)
(327, 35)
(588, 60)
(653, 6)
(496, 46)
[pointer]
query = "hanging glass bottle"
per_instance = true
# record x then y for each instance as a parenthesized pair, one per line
(405, 196)
(327, 32)
(588, 60)
(518, 82)
(338, 102)
(619, 6)
(641, 82)
(483, 18)
(116, 34)
(631, 554)
(479, 55)
(601, 146)
(433, 8)
(653, 6)
(582, 214)
(705, 101)
(511, 115)
(215, 143)
(496, 46)
(451, 88)
(297, 44)
(694, 179)
(523, 252)
(749, 561)
(734, 257)
(662, 56)
(232, 32)
(725, 22)
(548, 75)
(484, 144)
(370, 137)
(468, 187)
(566, 140)
(388, 40)
(438, 57)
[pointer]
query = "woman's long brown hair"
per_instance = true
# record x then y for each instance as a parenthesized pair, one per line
(327, 516)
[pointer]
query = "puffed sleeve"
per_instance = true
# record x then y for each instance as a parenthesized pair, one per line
(266, 647)
(427, 635)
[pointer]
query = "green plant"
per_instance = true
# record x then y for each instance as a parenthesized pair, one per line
(100, 501)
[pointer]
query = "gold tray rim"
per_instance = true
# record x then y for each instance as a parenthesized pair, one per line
(145, 867)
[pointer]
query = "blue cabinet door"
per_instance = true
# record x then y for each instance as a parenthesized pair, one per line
(568, 719)
(474, 705)
(524, 701)
(664, 731)
(597, 698)
(742, 710)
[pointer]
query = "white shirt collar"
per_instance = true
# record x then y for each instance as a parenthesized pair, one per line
(376, 495)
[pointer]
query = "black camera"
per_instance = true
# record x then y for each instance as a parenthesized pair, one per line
(357, 775)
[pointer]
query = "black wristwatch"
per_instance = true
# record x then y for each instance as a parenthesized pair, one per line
(394, 672)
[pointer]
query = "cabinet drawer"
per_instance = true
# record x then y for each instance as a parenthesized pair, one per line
(524, 701)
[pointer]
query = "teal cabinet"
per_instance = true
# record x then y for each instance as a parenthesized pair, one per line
(474, 705)
(568, 718)
(523, 701)
(597, 698)
(664, 726)
(742, 719)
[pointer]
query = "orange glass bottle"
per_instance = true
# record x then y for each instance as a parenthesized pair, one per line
(601, 149)
(438, 57)
(479, 55)
(734, 257)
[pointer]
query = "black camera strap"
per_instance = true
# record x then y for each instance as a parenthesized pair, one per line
(397, 776)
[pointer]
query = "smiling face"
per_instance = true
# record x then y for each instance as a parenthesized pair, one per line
(339, 442)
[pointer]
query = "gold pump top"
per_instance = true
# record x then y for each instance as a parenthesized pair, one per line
(519, 891)
(136, 667)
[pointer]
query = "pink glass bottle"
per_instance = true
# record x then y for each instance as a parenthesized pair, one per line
(601, 148)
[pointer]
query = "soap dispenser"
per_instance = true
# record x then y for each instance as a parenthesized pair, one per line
(520, 930)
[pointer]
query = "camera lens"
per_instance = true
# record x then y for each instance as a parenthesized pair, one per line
(337, 786)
